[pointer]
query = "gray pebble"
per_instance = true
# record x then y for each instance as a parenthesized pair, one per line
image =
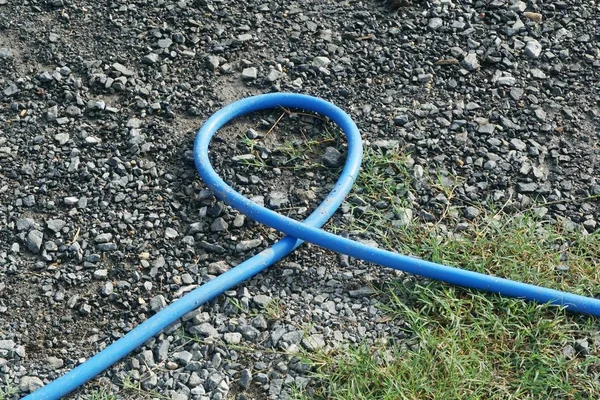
(239, 220)
(277, 334)
(93, 140)
(364, 291)
(147, 358)
(205, 330)
(178, 37)
(418, 171)
(162, 350)
(249, 74)
(321, 61)
(52, 113)
(157, 303)
(252, 134)
(150, 58)
(134, 123)
(171, 233)
(533, 49)
(70, 201)
(526, 187)
(159, 262)
(165, 43)
(45, 77)
(24, 224)
(472, 212)
(108, 289)
(582, 346)
(214, 380)
(261, 300)
(274, 75)
(590, 225)
(569, 351)
(103, 238)
(34, 241)
(518, 144)
(213, 62)
(248, 332)
(470, 62)
(62, 138)
(313, 342)
(195, 380)
(540, 114)
(387, 144)
(332, 157)
(219, 225)
(516, 93)
(538, 73)
(487, 129)
(106, 247)
(11, 90)
(55, 225)
(400, 120)
(244, 157)
(29, 384)
(563, 268)
(29, 200)
(73, 111)
(123, 69)
(7, 344)
(435, 23)
(182, 357)
(262, 378)
(232, 337)
(85, 309)
(53, 363)
(188, 241)
(218, 268)
(245, 378)
(278, 200)
(260, 322)
(275, 386)
(293, 337)
(404, 215)
(506, 80)
(195, 228)
(100, 273)
(246, 245)
(5, 53)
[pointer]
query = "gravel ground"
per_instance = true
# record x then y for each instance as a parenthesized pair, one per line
(104, 219)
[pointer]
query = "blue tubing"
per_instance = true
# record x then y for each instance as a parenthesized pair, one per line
(296, 232)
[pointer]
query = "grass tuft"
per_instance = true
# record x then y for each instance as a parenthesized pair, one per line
(7, 390)
(101, 394)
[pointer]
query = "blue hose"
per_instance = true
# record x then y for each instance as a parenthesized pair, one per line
(296, 232)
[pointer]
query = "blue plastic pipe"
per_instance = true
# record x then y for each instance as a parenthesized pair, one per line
(296, 232)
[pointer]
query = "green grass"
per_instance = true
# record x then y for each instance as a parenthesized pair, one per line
(464, 344)
(383, 176)
(101, 394)
(7, 390)
(274, 309)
